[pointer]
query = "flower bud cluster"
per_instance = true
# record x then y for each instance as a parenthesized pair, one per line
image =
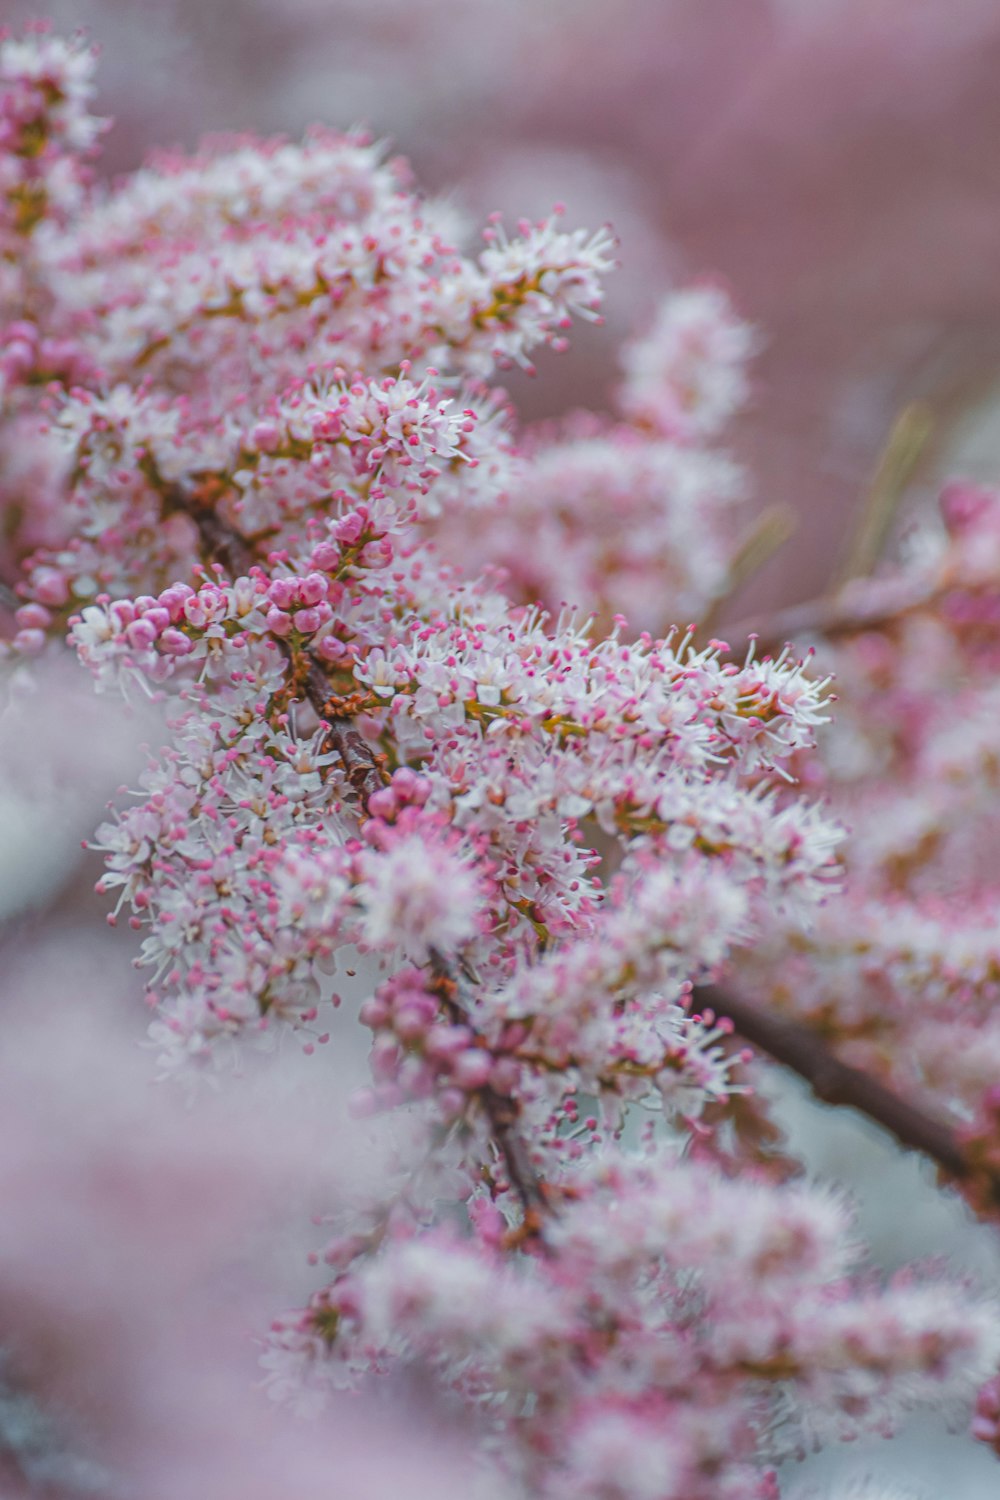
(527, 292)
(418, 1053)
(687, 376)
(27, 355)
(391, 439)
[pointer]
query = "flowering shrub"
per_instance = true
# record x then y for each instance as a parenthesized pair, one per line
(255, 470)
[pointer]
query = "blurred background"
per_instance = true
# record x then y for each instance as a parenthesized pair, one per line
(834, 162)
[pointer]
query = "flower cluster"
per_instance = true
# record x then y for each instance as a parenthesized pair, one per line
(47, 133)
(635, 515)
(643, 1354)
(253, 387)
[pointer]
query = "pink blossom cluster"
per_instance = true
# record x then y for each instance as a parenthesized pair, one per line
(47, 133)
(641, 1355)
(249, 490)
(635, 514)
(778, 143)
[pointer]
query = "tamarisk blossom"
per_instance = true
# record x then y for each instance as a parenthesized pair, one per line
(47, 133)
(636, 515)
(538, 833)
(687, 377)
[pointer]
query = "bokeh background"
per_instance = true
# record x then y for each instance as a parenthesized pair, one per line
(835, 162)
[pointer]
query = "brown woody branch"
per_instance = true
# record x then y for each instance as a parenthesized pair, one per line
(361, 764)
(364, 770)
(798, 1047)
(500, 1109)
(220, 541)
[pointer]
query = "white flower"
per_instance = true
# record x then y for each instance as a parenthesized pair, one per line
(419, 895)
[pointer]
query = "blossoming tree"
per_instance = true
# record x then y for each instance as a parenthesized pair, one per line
(255, 467)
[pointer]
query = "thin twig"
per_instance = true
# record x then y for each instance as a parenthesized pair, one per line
(798, 1047)
(363, 766)
(500, 1109)
(904, 448)
(364, 769)
(770, 531)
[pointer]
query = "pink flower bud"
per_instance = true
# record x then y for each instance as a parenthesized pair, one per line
(50, 586)
(471, 1069)
(409, 1022)
(17, 358)
(330, 648)
(266, 437)
(30, 642)
(278, 623)
(33, 617)
(350, 528)
(175, 643)
(312, 588)
(374, 1012)
(140, 634)
(451, 1102)
(505, 1075)
(283, 592)
(123, 612)
(158, 617)
(384, 1059)
(376, 554)
(172, 600)
(445, 1041)
(382, 804)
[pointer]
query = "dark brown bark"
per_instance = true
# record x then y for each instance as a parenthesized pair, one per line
(797, 1047)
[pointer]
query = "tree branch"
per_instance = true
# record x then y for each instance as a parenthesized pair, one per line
(219, 540)
(362, 766)
(501, 1110)
(799, 1048)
